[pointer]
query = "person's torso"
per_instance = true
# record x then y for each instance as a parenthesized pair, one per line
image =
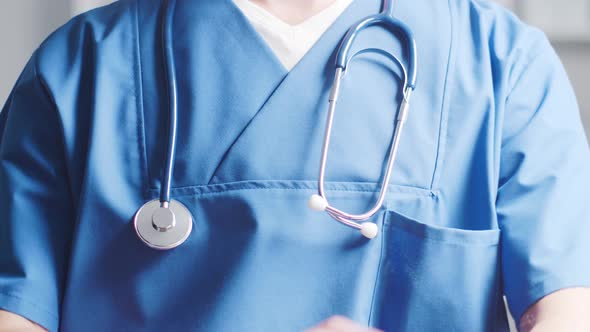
(249, 143)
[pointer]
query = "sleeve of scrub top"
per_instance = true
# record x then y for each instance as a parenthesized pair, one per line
(35, 204)
(543, 202)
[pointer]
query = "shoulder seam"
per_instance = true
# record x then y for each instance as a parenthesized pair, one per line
(527, 60)
(53, 105)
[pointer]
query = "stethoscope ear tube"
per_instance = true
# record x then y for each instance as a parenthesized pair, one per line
(170, 74)
(319, 201)
(392, 25)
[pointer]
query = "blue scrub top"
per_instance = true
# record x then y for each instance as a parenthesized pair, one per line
(489, 196)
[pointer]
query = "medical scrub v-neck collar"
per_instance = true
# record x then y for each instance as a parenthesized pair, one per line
(290, 42)
(226, 37)
(313, 65)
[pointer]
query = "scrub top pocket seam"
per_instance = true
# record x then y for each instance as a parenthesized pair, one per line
(379, 267)
(448, 236)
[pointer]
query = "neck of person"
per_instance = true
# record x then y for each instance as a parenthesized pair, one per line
(294, 11)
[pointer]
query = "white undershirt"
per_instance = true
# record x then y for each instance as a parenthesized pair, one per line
(289, 42)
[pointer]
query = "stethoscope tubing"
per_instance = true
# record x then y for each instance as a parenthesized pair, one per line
(387, 7)
(393, 25)
(171, 81)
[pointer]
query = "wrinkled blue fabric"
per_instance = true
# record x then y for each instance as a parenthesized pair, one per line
(489, 196)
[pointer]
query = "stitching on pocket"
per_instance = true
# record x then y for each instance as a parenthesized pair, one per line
(450, 236)
(378, 275)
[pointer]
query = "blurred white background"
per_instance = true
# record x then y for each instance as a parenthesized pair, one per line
(25, 23)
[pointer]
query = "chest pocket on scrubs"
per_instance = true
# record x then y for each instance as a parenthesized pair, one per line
(438, 279)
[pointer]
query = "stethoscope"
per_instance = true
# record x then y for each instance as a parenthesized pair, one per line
(165, 223)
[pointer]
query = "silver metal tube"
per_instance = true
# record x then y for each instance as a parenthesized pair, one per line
(349, 219)
(404, 107)
(334, 93)
(345, 222)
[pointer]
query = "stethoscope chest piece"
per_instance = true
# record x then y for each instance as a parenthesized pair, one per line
(163, 228)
